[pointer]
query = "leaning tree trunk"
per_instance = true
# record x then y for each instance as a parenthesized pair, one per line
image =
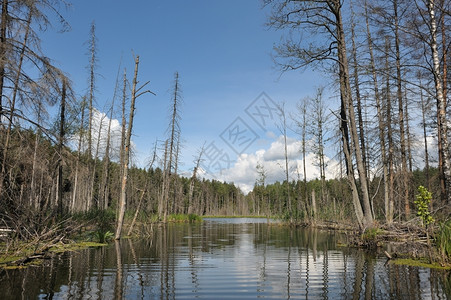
(362, 206)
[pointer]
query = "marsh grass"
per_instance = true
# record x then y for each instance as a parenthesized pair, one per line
(443, 240)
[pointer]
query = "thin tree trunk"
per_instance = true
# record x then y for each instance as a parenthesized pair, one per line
(441, 105)
(91, 199)
(92, 63)
(77, 164)
(103, 191)
(3, 29)
(388, 124)
(138, 209)
(380, 117)
(104, 187)
(363, 211)
(123, 197)
(409, 138)
(357, 95)
(33, 197)
(314, 213)
(426, 154)
(173, 142)
(283, 130)
(60, 150)
(192, 181)
(401, 116)
(445, 100)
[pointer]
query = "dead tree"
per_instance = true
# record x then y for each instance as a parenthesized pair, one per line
(193, 180)
(315, 18)
(136, 92)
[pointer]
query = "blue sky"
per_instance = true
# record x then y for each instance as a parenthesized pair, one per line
(221, 49)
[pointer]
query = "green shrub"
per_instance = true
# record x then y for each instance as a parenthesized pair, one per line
(102, 237)
(422, 201)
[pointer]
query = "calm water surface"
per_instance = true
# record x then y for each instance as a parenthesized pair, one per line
(221, 259)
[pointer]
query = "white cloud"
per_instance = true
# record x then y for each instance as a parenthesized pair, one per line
(244, 173)
(100, 122)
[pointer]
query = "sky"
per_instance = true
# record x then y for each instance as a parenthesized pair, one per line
(230, 85)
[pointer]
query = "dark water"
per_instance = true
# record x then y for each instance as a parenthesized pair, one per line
(225, 258)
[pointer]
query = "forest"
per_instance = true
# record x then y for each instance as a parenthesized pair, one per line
(387, 61)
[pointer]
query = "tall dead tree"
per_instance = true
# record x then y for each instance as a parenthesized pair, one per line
(401, 112)
(324, 18)
(61, 148)
(283, 127)
(92, 46)
(318, 130)
(174, 140)
(388, 202)
(358, 98)
(77, 163)
(193, 180)
(136, 93)
(302, 125)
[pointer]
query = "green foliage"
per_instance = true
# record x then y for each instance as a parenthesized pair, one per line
(422, 201)
(194, 218)
(103, 222)
(443, 239)
(102, 237)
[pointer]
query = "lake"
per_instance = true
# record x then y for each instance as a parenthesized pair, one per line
(225, 259)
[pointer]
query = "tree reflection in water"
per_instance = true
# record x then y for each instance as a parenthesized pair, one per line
(225, 258)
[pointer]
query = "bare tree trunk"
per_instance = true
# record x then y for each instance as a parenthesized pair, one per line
(123, 124)
(174, 140)
(304, 151)
(366, 217)
(33, 195)
(91, 199)
(92, 64)
(123, 198)
(380, 117)
(408, 136)
(77, 164)
(138, 209)
(443, 190)
(193, 179)
(388, 124)
(283, 130)
(163, 208)
(426, 154)
(357, 94)
(441, 102)
(3, 29)
(405, 184)
(104, 187)
(314, 212)
(60, 149)
(103, 191)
